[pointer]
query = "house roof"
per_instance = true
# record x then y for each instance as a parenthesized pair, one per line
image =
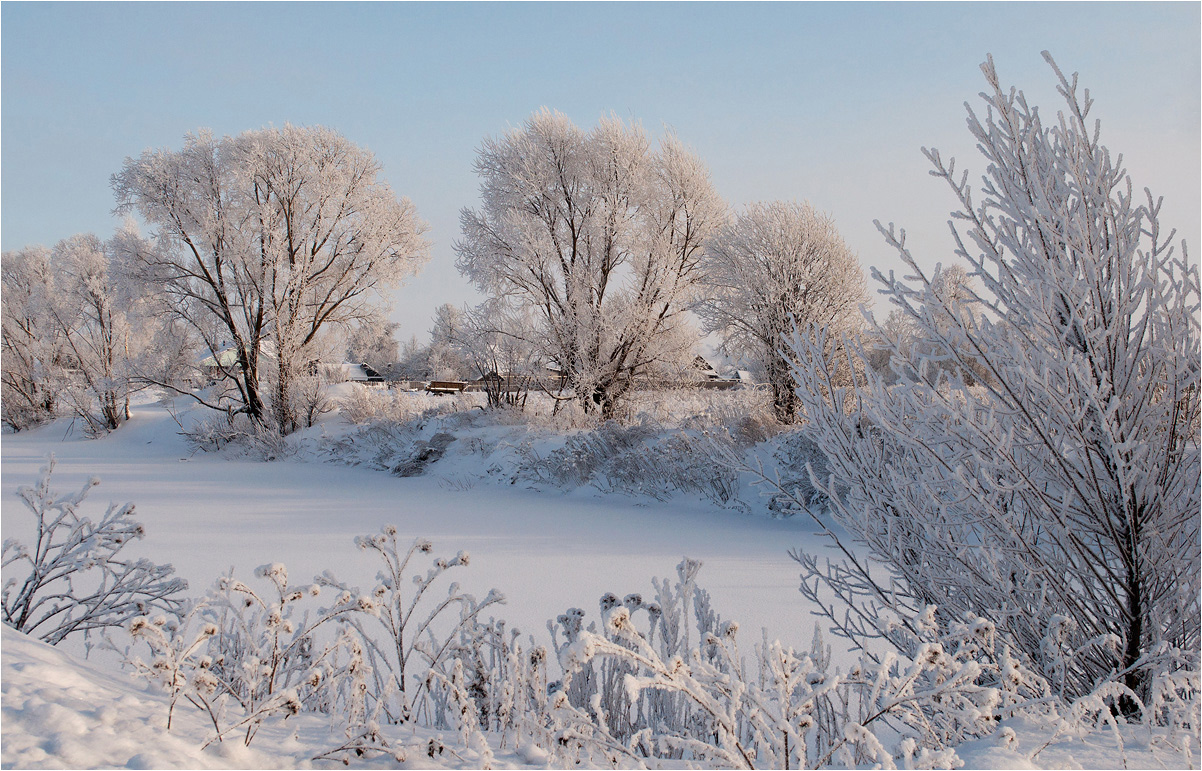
(226, 358)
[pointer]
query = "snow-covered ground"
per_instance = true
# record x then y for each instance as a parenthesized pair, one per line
(546, 550)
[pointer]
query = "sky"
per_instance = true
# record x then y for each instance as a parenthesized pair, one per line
(825, 102)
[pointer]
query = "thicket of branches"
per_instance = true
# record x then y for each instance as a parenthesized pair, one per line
(75, 332)
(1059, 488)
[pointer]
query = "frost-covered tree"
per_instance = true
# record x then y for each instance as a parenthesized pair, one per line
(264, 239)
(32, 349)
(445, 357)
(1059, 496)
(92, 310)
(373, 342)
(496, 339)
(72, 327)
(776, 263)
(600, 234)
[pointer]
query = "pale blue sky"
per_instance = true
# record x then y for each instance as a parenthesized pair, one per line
(825, 102)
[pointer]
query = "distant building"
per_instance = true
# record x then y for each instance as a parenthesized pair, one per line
(360, 373)
(705, 369)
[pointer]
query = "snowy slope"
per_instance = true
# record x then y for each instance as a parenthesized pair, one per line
(60, 712)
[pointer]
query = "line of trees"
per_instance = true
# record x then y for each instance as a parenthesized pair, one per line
(259, 244)
(593, 247)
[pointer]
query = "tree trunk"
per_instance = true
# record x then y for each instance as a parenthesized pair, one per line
(284, 417)
(1135, 678)
(784, 400)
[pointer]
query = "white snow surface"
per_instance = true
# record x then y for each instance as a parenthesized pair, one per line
(60, 712)
(546, 550)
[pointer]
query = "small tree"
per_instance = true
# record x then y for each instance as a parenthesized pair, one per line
(496, 338)
(446, 358)
(91, 311)
(373, 342)
(1062, 491)
(600, 235)
(778, 264)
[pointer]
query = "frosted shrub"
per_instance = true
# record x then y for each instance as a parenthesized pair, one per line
(667, 680)
(241, 656)
(71, 579)
(239, 434)
(407, 626)
(797, 457)
(365, 405)
(640, 459)
(744, 410)
(311, 398)
(585, 454)
(1060, 480)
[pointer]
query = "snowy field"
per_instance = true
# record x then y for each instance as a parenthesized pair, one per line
(546, 550)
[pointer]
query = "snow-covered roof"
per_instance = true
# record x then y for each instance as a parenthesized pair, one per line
(360, 372)
(226, 358)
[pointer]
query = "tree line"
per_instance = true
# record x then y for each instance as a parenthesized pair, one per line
(265, 252)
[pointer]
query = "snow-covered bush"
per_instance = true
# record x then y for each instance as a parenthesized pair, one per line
(667, 680)
(408, 627)
(746, 412)
(796, 454)
(239, 434)
(241, 656)
(637, 459)
(364, 405)
(311, 398)
(1061, 491)
(72, 579)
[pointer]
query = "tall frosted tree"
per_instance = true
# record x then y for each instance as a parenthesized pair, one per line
(262, 240)
(600, 234)
(775, 264)
(32, 347)
(1059, 495)
(92, 312)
